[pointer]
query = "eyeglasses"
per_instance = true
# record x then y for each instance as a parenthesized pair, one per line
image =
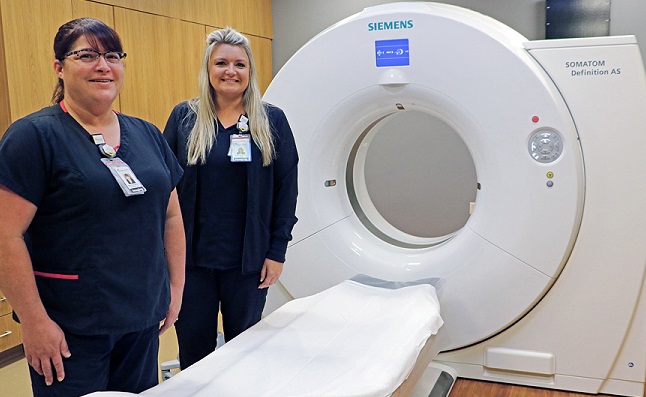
(88, 55)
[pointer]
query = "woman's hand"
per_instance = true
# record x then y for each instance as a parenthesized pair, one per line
(173, 309)
(45, 348)
(270, 272)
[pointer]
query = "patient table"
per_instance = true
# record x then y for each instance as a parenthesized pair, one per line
(352, 339)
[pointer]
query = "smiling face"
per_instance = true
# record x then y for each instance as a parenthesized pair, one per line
(229, 71)
(90, 84)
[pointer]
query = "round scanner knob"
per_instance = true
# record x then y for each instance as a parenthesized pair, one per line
(545, 146)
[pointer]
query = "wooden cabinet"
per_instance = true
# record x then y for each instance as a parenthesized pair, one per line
(164, 40)
(10, 333)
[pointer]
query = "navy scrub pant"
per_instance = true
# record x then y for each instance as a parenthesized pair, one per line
(126, 363)
(236, 295)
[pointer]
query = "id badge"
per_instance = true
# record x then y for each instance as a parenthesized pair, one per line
(240, 148)
(125, 177)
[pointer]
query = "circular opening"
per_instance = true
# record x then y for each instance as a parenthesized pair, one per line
(412, 180)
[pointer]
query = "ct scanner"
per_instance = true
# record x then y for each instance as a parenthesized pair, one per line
(543, 285)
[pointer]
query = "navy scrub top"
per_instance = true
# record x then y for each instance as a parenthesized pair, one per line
(98, 255)
(271, 190)
(221, 206)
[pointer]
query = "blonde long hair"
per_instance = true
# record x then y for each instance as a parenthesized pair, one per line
(203, 134)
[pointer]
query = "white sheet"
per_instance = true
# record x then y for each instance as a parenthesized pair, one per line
(349, 340)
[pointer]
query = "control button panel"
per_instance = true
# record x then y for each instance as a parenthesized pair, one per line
(545, 146)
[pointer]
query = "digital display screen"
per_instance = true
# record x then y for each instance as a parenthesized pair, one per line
(392, 53)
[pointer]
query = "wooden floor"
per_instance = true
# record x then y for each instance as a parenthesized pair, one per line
(472, 388)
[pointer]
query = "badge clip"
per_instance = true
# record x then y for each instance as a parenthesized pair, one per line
(243, 124)
(107, 150)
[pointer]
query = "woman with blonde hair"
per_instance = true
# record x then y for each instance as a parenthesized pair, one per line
(238, 195)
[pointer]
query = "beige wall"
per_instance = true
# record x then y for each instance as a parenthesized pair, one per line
(4, 87)
(164, 40)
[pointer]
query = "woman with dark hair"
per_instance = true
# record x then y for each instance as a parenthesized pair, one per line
(238, 195)
(92, 245)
